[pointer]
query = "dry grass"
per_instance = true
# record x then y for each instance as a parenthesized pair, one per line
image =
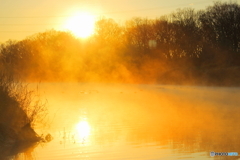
(20, 110)
(27, 100)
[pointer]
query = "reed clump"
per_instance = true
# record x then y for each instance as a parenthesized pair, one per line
(20, 110)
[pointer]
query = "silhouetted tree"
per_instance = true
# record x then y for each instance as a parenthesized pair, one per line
(186, 35)
(108, 32)
(138, 34)
(220, 26)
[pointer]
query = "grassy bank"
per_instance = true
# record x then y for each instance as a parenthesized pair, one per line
(20, 110)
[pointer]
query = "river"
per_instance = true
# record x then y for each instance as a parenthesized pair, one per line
(138, 122)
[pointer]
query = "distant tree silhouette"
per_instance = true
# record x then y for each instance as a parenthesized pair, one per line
(220, 25)
(108, 32)
(178, 47)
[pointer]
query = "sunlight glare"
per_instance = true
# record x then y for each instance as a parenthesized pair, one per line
(83, 129)
(81, 24)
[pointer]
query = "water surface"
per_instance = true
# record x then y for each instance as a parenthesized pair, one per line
(138, 122)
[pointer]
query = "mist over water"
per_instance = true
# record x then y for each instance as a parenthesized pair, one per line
(112, 121)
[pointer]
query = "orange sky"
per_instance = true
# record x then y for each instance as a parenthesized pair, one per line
(21, 18)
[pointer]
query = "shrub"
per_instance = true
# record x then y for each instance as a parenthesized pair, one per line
(17, 93)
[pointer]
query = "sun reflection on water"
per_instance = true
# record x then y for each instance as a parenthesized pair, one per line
(83, 129)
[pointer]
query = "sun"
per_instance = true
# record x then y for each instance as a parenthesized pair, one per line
(81, 24)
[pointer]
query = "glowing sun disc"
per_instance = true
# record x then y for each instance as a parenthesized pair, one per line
(81, 24)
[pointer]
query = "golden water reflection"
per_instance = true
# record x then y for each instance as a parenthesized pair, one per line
(83, 130)
(143, 123)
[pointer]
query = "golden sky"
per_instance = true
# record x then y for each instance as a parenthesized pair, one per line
(21, 18)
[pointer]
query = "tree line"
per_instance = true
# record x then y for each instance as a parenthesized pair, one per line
(184, 47)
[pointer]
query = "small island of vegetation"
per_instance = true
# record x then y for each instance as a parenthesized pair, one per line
(20, 111)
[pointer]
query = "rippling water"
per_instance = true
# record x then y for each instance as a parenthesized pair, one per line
(138, 122)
